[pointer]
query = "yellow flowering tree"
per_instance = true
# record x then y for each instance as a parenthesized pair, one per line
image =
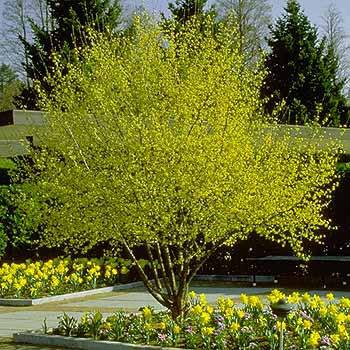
(156, 140)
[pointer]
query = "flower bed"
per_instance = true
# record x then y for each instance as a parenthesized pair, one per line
(313, 324)
(59, 276)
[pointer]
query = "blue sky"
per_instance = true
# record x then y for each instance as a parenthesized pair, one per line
(314, 9)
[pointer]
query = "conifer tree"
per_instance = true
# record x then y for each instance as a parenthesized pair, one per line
(302, 72)
(70, 20)
(183, 10)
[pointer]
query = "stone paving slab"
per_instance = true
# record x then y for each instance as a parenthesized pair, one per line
(30, 320)
(133, 300)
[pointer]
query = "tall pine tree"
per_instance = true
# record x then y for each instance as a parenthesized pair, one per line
(70, 20)
(302, 72)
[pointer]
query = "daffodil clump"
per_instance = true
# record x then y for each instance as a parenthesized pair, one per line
(59, 276)
(248, 323)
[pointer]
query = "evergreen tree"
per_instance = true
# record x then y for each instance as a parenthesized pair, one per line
(302, 72)
(70, 20)
(183, 10)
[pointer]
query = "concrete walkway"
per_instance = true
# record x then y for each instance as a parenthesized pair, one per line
(14, 319)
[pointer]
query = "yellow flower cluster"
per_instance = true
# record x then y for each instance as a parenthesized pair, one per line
(313, 321)
(58, 276)
(245, 324)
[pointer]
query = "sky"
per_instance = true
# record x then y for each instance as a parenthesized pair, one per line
(314, 9)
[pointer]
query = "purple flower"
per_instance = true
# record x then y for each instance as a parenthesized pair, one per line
(162, 337)
(219, 319)
(325, 340)
(306, 316)
(189, 329)
(221, 326)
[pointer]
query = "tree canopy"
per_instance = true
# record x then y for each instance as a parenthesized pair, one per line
(302, 73)
(70, 19)
(250, 20)
(159, 141)
(183, 10)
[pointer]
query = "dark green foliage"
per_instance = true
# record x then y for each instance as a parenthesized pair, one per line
(19, 217)
(303, 72)
(10, 85)
(70, 19)
(7, 76)
(183, 10)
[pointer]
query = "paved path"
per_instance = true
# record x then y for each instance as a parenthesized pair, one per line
(20, 318)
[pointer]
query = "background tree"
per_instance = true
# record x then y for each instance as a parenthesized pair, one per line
(336, 38)
(10, 86)
(164, 149)
(70, 21)
(16, 25)
(250, 20)
(302, 72)
(19, 15)
(182, 10)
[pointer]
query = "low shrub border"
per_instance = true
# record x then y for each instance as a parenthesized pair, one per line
(39, 301)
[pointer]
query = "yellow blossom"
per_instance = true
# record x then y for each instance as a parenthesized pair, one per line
(244, 298)
(235, 326)
(341, 317)
(176, 329)
(307, 324)
(205, 318)
(197, 309)
(207, 330)
(240, 313)
(330, 296)
(210, 309)
(192, 294)
(335, 338)
(202, 299)
(228, 312)
(281, 325)
(276, 296)
(314, 339)
(147, 313)
(160, 325)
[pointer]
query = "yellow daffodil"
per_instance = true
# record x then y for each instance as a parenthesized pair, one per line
(314, 339)
(235, 326)
(207, 331)
(147, 313)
